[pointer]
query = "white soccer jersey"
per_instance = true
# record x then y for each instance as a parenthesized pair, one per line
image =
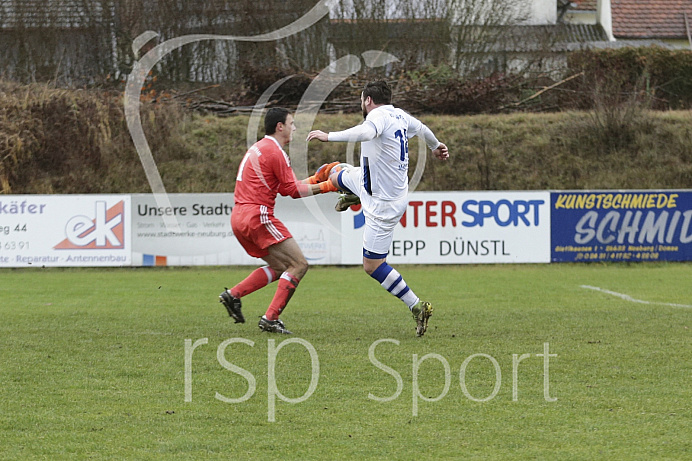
(384, 149)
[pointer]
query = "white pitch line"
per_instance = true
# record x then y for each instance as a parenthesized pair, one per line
(633, 300)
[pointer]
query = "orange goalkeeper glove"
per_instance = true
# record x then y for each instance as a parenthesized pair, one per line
(327, 186)
(322, 173)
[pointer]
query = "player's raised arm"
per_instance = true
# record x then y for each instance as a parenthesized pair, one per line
(358, 133)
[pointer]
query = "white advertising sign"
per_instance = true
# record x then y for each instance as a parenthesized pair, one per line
(125, 230)
(315, 226)
(462, 227)
(71, 230)
(203, 234)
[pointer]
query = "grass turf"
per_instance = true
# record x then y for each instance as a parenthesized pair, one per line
(93, 365)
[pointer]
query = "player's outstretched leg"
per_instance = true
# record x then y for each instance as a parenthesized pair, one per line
(232, 305)
(421, 313)
(273, 326)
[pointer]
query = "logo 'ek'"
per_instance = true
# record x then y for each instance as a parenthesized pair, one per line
(105, 232)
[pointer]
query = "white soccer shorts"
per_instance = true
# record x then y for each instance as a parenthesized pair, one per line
(381, 216)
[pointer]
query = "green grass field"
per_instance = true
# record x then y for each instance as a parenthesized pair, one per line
(93, 365)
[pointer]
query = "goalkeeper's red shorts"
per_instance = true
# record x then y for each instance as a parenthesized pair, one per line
(257, 229)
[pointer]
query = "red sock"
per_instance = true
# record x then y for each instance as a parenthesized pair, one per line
(287, 286)
(259, 278)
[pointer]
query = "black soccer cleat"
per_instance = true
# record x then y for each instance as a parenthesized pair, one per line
(232, 305)
(273, 326)
(421, 313)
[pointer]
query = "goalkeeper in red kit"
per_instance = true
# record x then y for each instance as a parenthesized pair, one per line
(264, 173)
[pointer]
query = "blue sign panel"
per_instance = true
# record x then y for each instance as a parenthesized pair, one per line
(621, 226)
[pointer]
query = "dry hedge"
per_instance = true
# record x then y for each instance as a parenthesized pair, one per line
(66, 141)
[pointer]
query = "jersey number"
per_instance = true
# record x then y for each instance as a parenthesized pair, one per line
(403, 141)
(242, 166)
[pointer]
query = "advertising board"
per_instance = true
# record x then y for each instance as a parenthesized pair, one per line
(64, 230)
(202, 234)
(462, 228)
(621, 226)
(437, 228)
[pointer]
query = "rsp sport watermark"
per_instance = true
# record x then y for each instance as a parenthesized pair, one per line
(272, 388)
(273, 392)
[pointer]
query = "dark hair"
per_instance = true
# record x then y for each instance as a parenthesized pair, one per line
(274, 116)
(379, 91)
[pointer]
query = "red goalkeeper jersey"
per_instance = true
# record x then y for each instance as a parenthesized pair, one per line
(265, 172)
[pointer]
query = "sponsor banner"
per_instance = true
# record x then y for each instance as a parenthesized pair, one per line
(202, 234)
(437, 228)
(462, 227)
(315, 226)
(621, 226)
(74, 230)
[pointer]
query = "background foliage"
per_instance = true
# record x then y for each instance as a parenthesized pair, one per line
(57, 141)
(602, 126)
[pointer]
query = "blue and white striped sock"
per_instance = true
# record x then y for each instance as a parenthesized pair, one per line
(394, 283)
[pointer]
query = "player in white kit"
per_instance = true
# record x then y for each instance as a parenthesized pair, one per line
(381, 183)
